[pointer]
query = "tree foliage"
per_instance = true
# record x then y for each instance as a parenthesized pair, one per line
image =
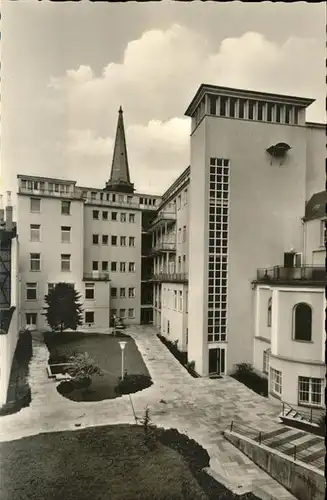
(63, 309)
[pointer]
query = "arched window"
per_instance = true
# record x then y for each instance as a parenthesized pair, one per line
(269, 312)
(302, 322)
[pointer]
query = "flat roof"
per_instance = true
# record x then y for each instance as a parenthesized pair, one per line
(38, 178)
(235, 92)
(316, 125)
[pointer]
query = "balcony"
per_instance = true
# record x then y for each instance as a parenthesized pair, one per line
(164, 216)
(96, 276)
(170, 277)
(164, 246)
(306, 275)
(69, 194)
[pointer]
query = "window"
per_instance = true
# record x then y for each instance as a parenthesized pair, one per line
(122, 293)
(95, 265)
(288, 114)
(35, 232)
(302, 322)
(175, 299)
(265, 364)
(65, 262)
(179, 239)
(95, 214)
(131, 267)
(89, 291)
(31, 319)
(104, 265)
(186, 301)
(51, 287)
(105, 215)
(122, 267)
(310, 391)
(114, 266)
(35, 205)
(232, 106)
(184, 234)
(276, 382)
(212, 105)
(113, 215)
(269, 311)
(31, 291)
(251, 110)
(278, 113)
(260, 110)
(114, 198)
(131, 241)
(65, 207)
(93, 195)
(101, 196)
(270, 108)
(123, 241)
(223, 103)
(185, 197)
(95, 239)
(114, 240)
(131, 313)
(323, 233)
(180, 300)
(122, 313)
(104, 239)
(131, 217)
(89, 317)
(35, 261)
(123, 217)
(178, 202)
(114, 312)
(241, 107)
(65, 234)
(113, 292)
(131, 293)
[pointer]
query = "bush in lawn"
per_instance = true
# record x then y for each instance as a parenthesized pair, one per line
(132, 383)
(63, 309)
(173, 348)
(245, 373)
(149, 438)
(81, 368)
(196, 457)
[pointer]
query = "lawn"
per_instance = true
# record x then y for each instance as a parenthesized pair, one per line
(100, 463)
(106, 353)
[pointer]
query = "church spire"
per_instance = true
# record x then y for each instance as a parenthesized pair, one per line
(119, 176)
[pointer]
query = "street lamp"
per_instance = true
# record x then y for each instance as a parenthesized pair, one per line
(122, 346)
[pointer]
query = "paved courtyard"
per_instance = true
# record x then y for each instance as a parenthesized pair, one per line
(202, 408)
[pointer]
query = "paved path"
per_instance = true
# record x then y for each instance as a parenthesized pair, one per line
(202, 408)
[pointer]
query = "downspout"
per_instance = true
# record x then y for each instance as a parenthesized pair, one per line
(304, 242)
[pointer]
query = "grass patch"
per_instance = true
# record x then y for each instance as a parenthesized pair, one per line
(245, 374)
(106, 353)
(179, 355)
(103, 463)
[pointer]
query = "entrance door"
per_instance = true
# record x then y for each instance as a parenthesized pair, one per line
(31, 321)
(216, 361)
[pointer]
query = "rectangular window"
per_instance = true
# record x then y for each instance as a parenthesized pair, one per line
(251, 110)
(35, 205)
(180, 300)
(175, 299)
(113, 215)
(179, 239)
(95, 265)
(114, 266)
(105, 215)
(184, 234)
(265, 367)
(65, 262)
(322, 233)
(123, 217)
(65, 234)
(276, 382)
(131, 217)
(185, 197)
(296, 115)
(288, 114)
(131, 313)
(114, 240)
(113, 292)
(131, 293)
(122, 313)
(101, 196)
(35, 261)
(223, 105)
(270, 108)
(89, 317)
(95, 214)
(31, 291)
(232, 107)
(212, 105)
(95, 239)
(123, 241)
(131, 241)
(278, 113)
(35, 232)
(310, 391)
(104, 265)
(114, 312)
(178, 202)
(65, 207)
(131, 267)
(260, 111)
(241, 108)
(122, 267)
(104, 239)
(122, 293)
(89, 291)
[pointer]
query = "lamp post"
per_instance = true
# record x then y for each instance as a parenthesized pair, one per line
(122, 346)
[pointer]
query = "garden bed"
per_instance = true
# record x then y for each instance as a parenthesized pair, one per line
(179, 355)
(245, 374)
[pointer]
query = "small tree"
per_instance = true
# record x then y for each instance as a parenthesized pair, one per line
(81, 368)
(63, 309)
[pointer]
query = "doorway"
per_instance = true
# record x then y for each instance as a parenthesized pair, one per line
(216, 361)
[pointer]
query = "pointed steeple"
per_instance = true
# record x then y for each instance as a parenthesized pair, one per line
(119, 176)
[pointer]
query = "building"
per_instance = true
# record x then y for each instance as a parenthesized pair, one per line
(9, 296)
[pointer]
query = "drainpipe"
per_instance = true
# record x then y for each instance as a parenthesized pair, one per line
(304, 242)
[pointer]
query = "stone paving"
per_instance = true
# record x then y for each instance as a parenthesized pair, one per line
(201, 407)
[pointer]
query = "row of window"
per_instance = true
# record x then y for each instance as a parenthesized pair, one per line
(113, 215)
(32, 291)
(310, 390)
(89, 316)
(173, 299)
(35, 206)
(52, 187)
(114, 240)
(123, 266)
(123, 313)
(123, 292)
(182, 199)
(302, 321)
(35, 264)
(181, 238)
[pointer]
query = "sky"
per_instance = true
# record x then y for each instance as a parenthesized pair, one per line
(67, 67)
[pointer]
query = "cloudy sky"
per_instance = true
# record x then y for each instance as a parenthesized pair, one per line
(66, 69)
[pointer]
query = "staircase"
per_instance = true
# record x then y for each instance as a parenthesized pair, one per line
(308, 419)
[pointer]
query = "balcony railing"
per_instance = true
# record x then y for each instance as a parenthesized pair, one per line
(96, 276)
(170, 277)
(163, 216)
(164, 246)
(50, 192)
(280, 274)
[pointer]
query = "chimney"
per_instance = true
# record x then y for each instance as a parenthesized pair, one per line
(2, 213)
(9, 222)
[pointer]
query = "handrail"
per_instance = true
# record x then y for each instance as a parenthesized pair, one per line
(305, 412)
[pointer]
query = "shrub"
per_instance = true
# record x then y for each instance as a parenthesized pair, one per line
(245, 373)
(82, 368)
(132, 383)
(322, 425)
(179, 355)
(149, 439)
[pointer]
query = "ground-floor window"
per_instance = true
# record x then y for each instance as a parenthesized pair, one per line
(276, 381)
(31, 319)
(89, 317)
(265, 367)
(310, 391)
